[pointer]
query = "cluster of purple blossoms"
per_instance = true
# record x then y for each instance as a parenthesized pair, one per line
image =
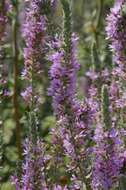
(33, 168)
(74, 118)
(108, 159)
(63, 79)
(116, 34)
(34, 159)
(116, 31)
(63, 82)
(34, 37)
(108, 150)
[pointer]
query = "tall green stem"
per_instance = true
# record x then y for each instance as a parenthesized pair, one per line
(95, 47)
(98, 20)
(95, 43)
(15, 72)
(1, 151)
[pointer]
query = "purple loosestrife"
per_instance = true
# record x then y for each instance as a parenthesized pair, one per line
(107, 150)
(33, 168)
(63, 79)
(74, 118)
(34, 37)
(63, 74)
(53, 4)
(108, 162)
(116, 34)
(116, 31)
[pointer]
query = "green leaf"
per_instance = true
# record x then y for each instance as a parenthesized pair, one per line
(14, 2)
(122, 182)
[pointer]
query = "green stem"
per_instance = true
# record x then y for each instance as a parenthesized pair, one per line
(98, 21)
(95, 43)
(1, 150)
(15, 88)
(95, 47)
(106, 116)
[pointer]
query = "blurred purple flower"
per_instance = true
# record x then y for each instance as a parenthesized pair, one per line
(27, 94)
(116, 31)
(107, 159)
(33, 176)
